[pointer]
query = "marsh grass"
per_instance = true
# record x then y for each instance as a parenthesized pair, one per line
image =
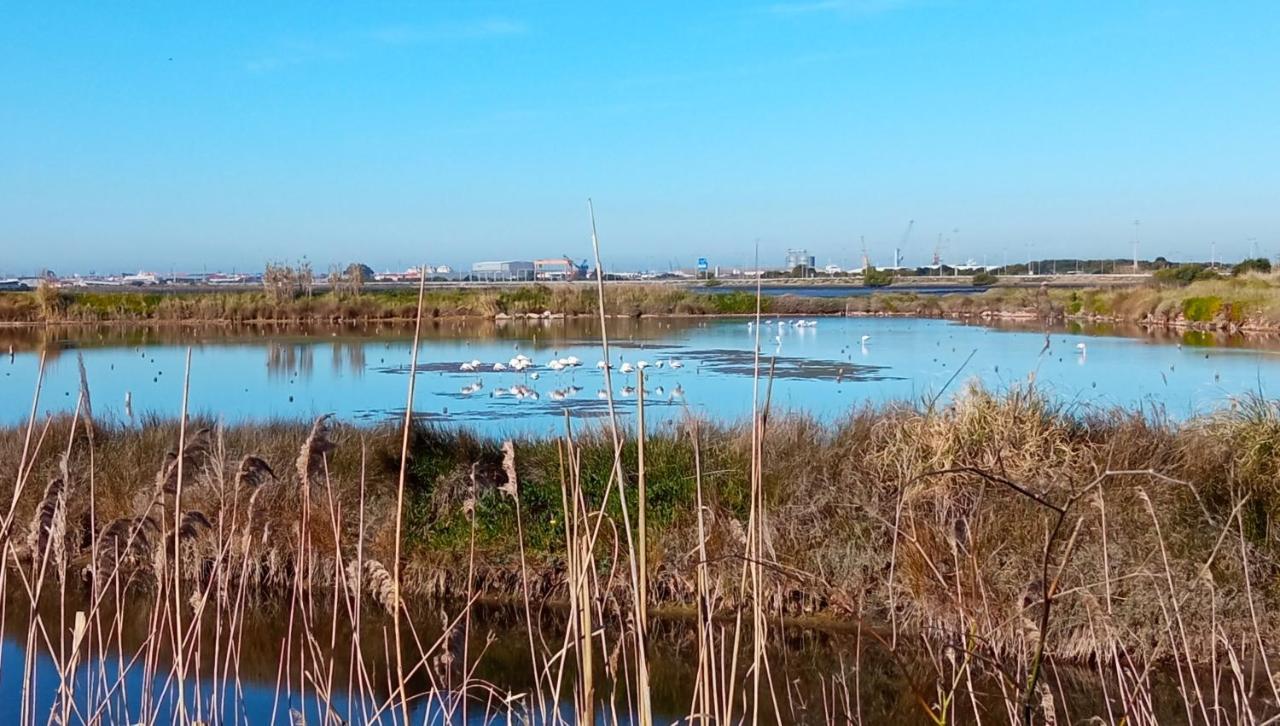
(892, 516)
(394, 304)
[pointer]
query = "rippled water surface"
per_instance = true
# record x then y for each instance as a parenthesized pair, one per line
(703, 365)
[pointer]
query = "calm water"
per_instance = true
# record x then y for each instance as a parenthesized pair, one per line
(360, 373)
(806, 660)
(843, 290)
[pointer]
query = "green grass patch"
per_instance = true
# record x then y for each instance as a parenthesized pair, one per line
(1201, 309)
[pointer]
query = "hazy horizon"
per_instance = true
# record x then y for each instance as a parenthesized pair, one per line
(184, 137)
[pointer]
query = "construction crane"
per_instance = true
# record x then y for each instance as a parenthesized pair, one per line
(902, 244)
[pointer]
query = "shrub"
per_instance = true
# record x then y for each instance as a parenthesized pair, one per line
(1255, 264)
(985, 279)
(1201, 309)
(1184, 274)
(871, 277)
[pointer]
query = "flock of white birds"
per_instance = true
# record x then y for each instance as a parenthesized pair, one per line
(532, 371)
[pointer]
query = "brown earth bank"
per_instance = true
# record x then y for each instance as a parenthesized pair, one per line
(960, 521)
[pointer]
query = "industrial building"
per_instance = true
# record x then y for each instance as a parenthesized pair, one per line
(799, 258)
(558, 268)
(502, 270)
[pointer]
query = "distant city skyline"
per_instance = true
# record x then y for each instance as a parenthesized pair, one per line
(189, 137)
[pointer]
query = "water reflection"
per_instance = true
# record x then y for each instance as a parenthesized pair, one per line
(234, 668)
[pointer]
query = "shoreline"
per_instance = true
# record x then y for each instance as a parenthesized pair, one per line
(1245, 329)
(1246, 305)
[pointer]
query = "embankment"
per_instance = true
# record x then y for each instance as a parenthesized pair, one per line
(1236, 304)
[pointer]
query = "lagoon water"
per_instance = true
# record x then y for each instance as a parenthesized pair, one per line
(360, 372)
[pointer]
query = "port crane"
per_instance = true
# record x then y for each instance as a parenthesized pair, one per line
(902, 244)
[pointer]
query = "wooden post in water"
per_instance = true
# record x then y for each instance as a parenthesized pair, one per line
(641, 495)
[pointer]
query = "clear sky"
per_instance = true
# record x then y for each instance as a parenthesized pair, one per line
(160, 134)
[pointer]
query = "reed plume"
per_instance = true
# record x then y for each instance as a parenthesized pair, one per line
(253, 471)
(311, 457)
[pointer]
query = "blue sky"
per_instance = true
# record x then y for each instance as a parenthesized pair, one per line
(182, 135)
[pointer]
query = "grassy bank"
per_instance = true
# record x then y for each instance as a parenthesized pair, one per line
(386, 304)
(1249, 302)
(907, 515)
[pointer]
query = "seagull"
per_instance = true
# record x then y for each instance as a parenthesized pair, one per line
(675, 364)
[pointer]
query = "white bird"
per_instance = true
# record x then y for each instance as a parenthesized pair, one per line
(558, 395)
(865, 339)
(627, 368)
(657, 364)
(466, 367)
(627, 390)
(498, 367)
(534, 375)
(572, 361)
(642, 364)
(470, 389)
(1082, 348)
(602, 394)
(677, 392)
(601, 365)
(675, 364)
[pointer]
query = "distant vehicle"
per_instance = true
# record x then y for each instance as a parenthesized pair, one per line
(13, 285)
(217, 279)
